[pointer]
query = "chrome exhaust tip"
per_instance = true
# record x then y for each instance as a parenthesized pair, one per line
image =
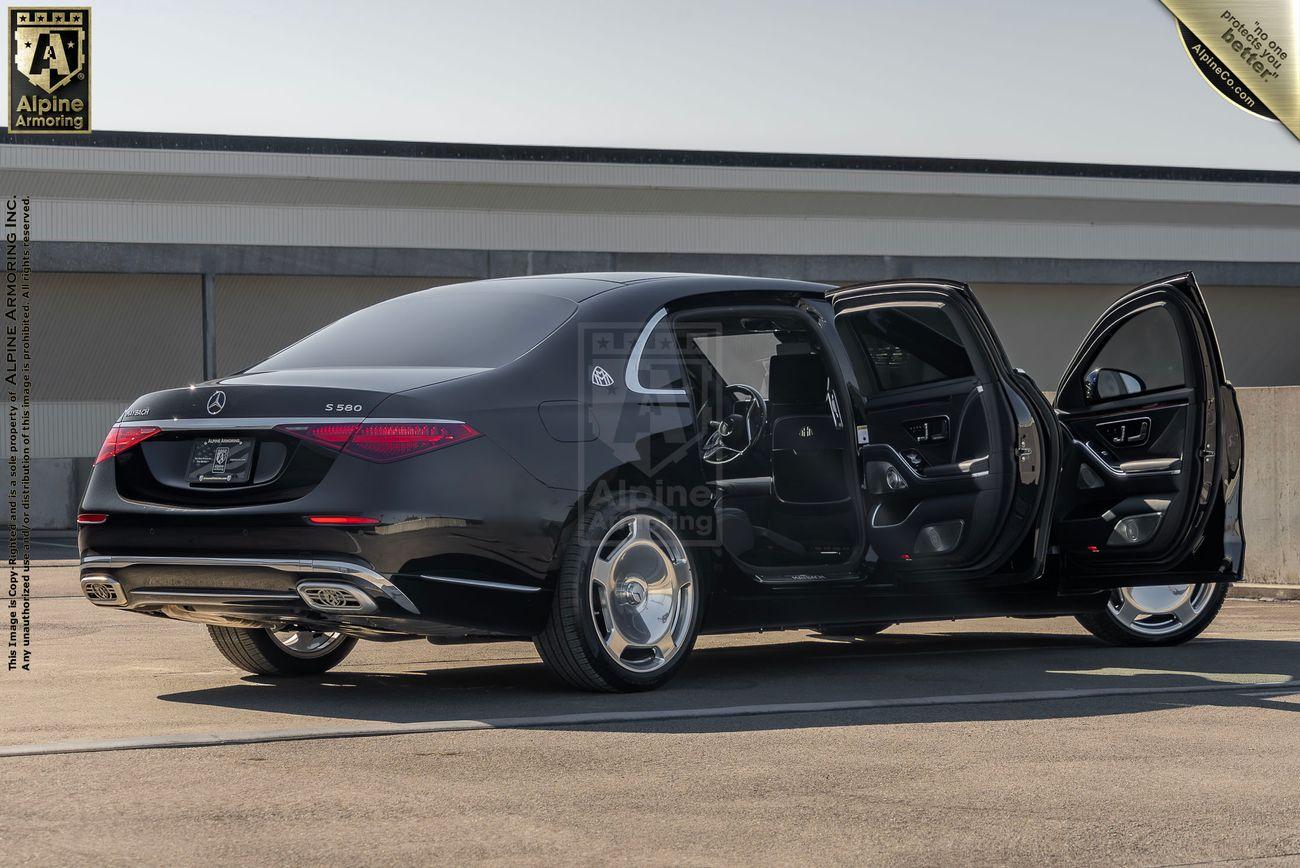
(103, 591)
(336, 597)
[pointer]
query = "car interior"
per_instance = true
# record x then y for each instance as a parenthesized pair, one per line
(775, 441)
(935, 490)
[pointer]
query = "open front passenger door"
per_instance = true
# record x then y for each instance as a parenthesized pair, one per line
(1150, 483)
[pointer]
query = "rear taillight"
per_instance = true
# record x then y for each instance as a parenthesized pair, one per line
(121, 438)
(330, 435)
(383, 441)
(91, 518)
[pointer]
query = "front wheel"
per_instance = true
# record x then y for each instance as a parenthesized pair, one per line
(281, 652)
(1156, 614)
(627, 599)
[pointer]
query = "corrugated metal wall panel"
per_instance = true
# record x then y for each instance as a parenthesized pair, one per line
(98, 337)
(23, 159)
(258, 315)
(1042, 326)
(498, 230)
(72, 429)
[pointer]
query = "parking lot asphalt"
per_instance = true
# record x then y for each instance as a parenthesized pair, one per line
(984, 741)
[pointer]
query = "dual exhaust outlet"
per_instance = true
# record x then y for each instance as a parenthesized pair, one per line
(336, 598)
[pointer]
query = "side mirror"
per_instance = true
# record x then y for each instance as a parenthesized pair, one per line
(1102, 384)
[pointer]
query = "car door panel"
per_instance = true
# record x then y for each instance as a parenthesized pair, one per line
(951, 469)
(1142, 473)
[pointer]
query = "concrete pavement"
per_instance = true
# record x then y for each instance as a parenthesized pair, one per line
(977, 742)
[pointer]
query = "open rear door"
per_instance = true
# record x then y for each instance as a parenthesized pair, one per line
(1150, 484)
(957, 451)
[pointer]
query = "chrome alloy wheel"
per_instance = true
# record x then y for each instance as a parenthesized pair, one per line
(306, 644)
(642, 593)
(1158, 610)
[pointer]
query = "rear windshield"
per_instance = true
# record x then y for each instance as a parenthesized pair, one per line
(444, 327)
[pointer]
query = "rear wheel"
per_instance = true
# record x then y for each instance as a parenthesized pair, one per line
(1156, 614)
(627, 600)
(281, 652)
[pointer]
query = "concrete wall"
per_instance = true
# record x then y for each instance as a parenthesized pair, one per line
(1271, 501)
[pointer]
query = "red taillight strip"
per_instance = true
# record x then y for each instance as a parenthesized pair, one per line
(91, 518)
(342, 519)
(384, 441)
(331, 435)
(121, 438)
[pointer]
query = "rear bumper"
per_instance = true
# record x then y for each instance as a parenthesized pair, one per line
(332, 593)
(362, 576)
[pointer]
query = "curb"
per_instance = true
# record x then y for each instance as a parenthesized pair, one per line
(1260, 591)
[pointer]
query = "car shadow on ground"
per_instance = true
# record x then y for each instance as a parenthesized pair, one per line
(946, 671)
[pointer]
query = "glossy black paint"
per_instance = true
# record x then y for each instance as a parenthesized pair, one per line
(500, 508)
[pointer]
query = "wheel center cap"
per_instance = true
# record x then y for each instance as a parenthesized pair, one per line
(1158, 599)
(632, 592)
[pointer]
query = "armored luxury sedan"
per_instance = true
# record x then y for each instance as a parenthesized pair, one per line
(610, 464)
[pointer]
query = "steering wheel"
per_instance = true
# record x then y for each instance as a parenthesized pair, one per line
(736, 433)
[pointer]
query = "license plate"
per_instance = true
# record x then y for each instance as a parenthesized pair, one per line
(226, 460)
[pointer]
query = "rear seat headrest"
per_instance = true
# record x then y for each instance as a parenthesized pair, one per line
(796, 379)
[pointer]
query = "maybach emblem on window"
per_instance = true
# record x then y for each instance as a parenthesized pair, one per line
(601, 377)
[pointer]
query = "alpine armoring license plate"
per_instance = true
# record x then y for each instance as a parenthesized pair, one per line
(221, 460)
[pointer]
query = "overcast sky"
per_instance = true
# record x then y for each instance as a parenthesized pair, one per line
(1099, 81)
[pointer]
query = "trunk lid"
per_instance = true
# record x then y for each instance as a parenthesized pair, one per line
(221, 443)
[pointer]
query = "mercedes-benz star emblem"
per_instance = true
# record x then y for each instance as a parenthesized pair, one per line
(217, 402)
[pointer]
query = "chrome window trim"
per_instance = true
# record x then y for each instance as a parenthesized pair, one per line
(358, 572)
(631, 375)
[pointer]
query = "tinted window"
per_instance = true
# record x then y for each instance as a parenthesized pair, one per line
(740, 358)
(443, 327)
(1148, 347)
(910, 346)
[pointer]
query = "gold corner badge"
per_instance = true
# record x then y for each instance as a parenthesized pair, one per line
(49, 79)
(1246, 50)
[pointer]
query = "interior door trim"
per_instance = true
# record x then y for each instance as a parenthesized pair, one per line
(1117, 473)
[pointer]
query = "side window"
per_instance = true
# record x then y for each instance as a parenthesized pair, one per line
(740, 358)
(661, 365)
(910, 346)
(1144, 354)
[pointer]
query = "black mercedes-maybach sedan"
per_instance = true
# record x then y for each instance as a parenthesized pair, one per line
(611, 464)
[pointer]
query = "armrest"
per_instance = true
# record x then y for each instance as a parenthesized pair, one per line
(1151, 465)
(969, 467)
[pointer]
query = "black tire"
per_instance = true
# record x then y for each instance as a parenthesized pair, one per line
(1106, 626)
(569, 644)
(253, 650)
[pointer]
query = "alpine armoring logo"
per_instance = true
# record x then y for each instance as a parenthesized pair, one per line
(49, 79)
